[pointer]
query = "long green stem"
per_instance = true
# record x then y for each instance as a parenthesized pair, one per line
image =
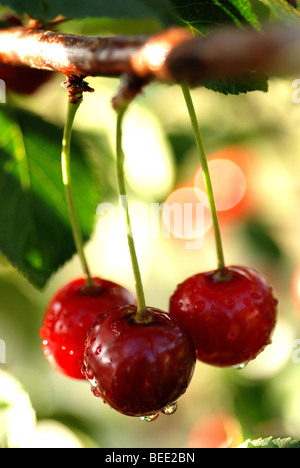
(141, 304)
(207, 179)
(66, 173)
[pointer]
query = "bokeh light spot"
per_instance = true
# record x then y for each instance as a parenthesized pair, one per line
(186, 213)
(228, 181)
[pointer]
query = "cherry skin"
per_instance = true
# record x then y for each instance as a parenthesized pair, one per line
(70, 314)
(139, 369)
(22, 80)
(231, 314)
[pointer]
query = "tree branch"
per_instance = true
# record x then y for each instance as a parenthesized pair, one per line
(66, 53)
(173, 55)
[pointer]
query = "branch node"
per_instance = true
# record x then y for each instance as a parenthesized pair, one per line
(131, 86)
(151, 58)
(76, 86)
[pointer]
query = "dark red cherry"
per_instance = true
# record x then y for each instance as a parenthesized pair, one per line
(70, 314)
(23, 80)
(139, 369)
(231, 315)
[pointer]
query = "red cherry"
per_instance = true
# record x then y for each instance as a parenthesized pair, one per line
(70, 314)
(231, 316)
(139, 369)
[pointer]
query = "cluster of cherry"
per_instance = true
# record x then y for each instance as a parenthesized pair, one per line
(223, 318)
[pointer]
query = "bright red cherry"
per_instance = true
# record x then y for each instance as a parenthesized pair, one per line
(230, 314)
(139, 369)
(70, 314)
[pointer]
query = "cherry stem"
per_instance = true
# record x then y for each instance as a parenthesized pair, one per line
(206, 174)
(141, 304)
(66, 175)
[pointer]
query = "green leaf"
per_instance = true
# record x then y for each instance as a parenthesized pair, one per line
(271, 442)
(137, 9)
(35, 233)
(204, 15)
(283, 11)
(257, 83)
(240, 11)
(260, 237)
(245, 9)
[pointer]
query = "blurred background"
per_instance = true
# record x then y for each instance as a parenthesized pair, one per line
(253, 145)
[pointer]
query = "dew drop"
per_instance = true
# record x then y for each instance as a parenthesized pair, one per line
(170, 409)
(150, 417)
(95, 391)
(240, 366)
(83, 370)
(88, 373)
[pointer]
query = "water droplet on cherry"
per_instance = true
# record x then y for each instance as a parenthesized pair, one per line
(240, 366)
(150, 417)
(170, 409)
(95, 391)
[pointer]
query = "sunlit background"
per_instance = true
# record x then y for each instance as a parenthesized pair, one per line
(253, 145)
